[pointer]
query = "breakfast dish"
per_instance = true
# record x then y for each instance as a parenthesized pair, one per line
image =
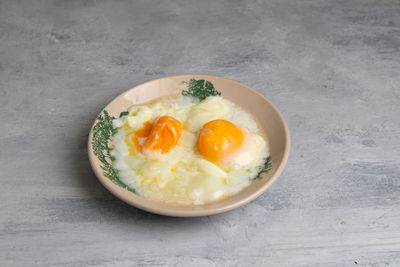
(190, 149)
(189, 145)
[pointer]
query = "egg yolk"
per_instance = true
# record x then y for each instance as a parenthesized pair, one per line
(141, 134)
(219, 139)
(160, 136)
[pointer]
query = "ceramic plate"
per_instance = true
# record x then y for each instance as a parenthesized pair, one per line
(266, 114)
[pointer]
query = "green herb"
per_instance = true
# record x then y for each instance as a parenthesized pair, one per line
(102, 133)
(200, 89)
(266, 168)
(124, 113)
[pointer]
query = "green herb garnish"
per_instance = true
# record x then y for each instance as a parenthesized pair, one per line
(266, 168)
(124, 113)
(200, 89)
(102, 133)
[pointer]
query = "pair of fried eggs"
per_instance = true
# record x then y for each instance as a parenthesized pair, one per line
(182, 151)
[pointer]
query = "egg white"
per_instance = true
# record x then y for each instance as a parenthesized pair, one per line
(183, 176)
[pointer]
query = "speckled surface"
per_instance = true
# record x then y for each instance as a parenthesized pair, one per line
(332, 68)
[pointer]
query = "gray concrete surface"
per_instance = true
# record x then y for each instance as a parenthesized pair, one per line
(332, 67)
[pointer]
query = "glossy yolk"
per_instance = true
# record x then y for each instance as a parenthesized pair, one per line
(160, 136)
(164, 134)
(219, 139)
(141, 133)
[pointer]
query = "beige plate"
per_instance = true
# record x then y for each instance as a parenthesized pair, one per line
(268, 116)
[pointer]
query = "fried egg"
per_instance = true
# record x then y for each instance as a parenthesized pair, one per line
(182, 151)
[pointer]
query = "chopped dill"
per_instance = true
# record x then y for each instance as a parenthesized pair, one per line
(200, 89)
(124, 113)
(264, 169)
(102, 133)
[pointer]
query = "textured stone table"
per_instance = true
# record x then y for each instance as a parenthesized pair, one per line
(332, 68)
